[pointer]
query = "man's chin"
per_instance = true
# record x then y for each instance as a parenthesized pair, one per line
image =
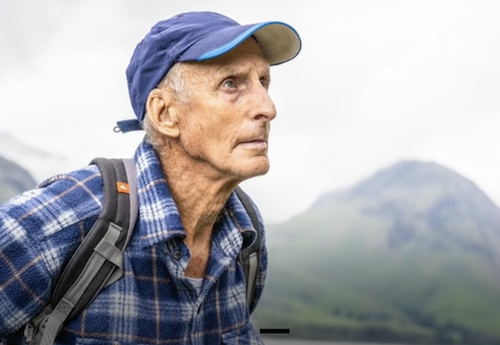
(255, 170)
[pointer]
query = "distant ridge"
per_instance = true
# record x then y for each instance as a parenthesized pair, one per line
(13, 179)
(41, 164)
(411, 174)
(411, 255)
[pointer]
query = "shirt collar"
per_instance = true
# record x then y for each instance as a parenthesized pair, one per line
(159, 218)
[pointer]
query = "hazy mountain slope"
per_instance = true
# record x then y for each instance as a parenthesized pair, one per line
(39, 163)
(13, 179)
(411, 254)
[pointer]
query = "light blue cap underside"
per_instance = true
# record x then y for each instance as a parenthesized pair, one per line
(238, 40)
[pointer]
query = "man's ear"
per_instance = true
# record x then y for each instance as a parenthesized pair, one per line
(162, 112)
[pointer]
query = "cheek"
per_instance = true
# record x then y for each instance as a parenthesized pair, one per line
(213, 128)
(206, 136)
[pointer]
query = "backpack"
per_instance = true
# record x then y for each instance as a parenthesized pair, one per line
(98, 261)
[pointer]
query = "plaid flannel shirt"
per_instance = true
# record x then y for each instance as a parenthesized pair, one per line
(153, 303)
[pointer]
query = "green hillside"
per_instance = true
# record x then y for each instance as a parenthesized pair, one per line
(13, 179)
(410, 255)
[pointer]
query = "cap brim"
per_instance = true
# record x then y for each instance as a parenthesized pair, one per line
(278, 41)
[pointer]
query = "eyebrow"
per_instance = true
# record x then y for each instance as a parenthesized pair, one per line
(229, 70)
(238, 72)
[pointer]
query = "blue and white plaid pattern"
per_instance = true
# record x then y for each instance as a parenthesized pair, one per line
(153, 303)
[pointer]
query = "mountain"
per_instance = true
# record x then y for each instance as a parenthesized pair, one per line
(41, 164)
(13, 179)
(409, 255)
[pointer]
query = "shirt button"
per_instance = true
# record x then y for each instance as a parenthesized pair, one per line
(177, 255)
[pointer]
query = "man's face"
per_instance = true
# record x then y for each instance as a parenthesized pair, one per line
(224, 124)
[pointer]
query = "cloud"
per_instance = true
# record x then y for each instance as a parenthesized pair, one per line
(376, 81)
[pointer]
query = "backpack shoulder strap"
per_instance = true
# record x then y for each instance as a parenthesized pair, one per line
(250, 257)
(131, 178)
(98, 261)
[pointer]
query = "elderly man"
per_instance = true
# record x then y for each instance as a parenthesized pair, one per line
(198, 83)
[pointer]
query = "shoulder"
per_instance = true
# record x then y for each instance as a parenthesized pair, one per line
(39, 229)
(246, 209)
(51, 215)
(243, 208)
(257, 212)
(58, 201)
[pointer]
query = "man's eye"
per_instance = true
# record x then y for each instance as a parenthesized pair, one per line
(229, 84)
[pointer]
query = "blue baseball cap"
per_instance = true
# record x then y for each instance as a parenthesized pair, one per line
(197, 36)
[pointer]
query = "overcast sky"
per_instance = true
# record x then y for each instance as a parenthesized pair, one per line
(376, 82)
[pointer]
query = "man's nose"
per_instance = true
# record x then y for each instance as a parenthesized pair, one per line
(264, 106)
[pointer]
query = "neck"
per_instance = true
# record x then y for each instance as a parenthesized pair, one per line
(199, 195)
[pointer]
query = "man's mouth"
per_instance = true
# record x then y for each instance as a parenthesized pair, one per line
(256, 143)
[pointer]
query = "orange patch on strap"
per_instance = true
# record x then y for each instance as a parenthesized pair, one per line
(122, 187)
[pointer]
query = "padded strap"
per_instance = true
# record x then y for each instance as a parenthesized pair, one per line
(53, 323)
(250, 257)
(110, 252)
(253, 265)
(98, 262)
(131, 173)
(65, 306)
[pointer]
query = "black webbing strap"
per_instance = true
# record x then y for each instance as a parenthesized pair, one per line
(250, 257)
